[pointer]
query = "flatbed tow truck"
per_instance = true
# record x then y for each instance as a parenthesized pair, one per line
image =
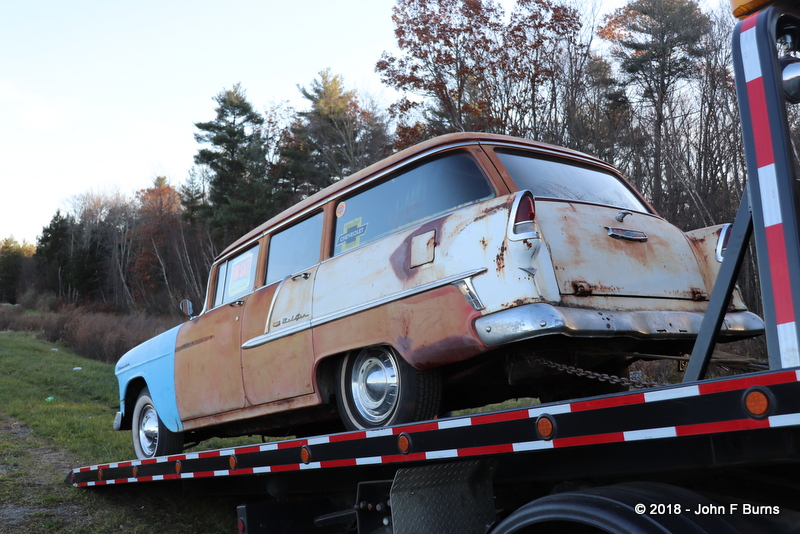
(712, 456)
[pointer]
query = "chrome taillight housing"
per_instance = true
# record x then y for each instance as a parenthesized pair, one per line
(524, 217)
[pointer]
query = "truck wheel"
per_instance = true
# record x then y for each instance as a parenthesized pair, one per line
(376, 387)
(151, 437)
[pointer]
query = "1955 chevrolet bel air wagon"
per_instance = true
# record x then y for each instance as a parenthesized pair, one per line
(430, 281)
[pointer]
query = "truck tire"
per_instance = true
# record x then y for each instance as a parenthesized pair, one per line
(621, 509)
(376, 387)
(150, 436)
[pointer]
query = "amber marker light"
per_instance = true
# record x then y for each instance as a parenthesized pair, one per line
(178, 467)
(545, 427)
(305, 454)
(232, 461)
(404, 443)
(99, 474)
(757, 403)
(745, 8)
(134, 472)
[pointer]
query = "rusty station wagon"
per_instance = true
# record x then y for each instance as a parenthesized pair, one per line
(439, 278)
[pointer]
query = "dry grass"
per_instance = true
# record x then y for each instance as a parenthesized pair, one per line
(100, 336)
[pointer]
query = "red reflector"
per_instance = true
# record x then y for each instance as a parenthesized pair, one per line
(525, 211)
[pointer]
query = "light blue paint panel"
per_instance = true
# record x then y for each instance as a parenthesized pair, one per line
(154, 361)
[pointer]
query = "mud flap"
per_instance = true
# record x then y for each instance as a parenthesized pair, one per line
(448, 498)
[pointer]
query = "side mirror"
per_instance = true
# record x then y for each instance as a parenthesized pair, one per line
(186, 307)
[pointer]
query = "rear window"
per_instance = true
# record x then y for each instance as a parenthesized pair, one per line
(561, 180)
(423, 192)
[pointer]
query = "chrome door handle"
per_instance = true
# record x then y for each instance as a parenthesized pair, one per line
(304, 276)
(236, 303)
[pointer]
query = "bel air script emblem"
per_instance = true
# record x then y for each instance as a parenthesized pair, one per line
(292, 319)
(626, 234)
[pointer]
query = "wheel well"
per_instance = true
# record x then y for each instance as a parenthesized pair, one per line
(326, 376)
(132, 391)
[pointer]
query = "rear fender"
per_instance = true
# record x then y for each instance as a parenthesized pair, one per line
(706, 245)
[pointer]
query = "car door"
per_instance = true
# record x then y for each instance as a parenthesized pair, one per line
(208, 378)
(277, 352)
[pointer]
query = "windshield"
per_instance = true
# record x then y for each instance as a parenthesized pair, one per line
(562, 180)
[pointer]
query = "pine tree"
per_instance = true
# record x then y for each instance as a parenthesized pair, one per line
(235, 156)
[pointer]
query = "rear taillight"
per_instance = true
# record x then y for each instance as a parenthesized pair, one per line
(526, 215)
(722, 241)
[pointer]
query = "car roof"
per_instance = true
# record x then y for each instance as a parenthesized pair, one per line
(431, 145)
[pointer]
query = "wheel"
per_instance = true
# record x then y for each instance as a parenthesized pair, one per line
(151, 437)
(376, 387)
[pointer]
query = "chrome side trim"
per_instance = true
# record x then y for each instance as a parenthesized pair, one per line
(317, 321)
(272, 304)
(468, 290)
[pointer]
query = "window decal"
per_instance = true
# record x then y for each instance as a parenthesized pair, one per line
(240, 274)
(351, 237)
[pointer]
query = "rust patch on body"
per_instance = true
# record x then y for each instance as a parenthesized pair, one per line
(699, 294)
(582, 288)
(400, 259)
(448, 350)
(193, 343)
(518, 302)
(500, 259)
(491, 210)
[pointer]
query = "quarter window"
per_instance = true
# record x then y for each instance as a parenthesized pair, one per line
(294, 248)
(559, 179)
(412, 196)
(235, 277)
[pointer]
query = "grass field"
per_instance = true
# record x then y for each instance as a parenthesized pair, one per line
(56, 410)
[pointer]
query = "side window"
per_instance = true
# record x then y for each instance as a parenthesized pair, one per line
(294, 248)
(411, 196)
(235, 277)
(219, 290)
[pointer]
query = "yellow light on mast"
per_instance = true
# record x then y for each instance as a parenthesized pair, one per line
(745, 8)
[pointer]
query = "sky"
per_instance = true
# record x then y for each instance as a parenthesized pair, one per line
(99, 96)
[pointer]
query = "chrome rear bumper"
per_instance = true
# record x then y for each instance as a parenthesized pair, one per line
(540, 319)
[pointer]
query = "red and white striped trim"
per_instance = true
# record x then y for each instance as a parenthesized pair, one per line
(792, 419)
(770, 204)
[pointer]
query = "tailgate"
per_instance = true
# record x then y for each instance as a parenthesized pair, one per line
(592, 252)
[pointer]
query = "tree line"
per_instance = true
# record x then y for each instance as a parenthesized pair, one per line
(648, 87)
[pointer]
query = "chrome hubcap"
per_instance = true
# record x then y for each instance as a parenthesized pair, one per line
(375, 385)
(148, 430)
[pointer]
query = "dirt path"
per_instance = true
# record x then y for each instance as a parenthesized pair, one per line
(33, 495)
(35, 498)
